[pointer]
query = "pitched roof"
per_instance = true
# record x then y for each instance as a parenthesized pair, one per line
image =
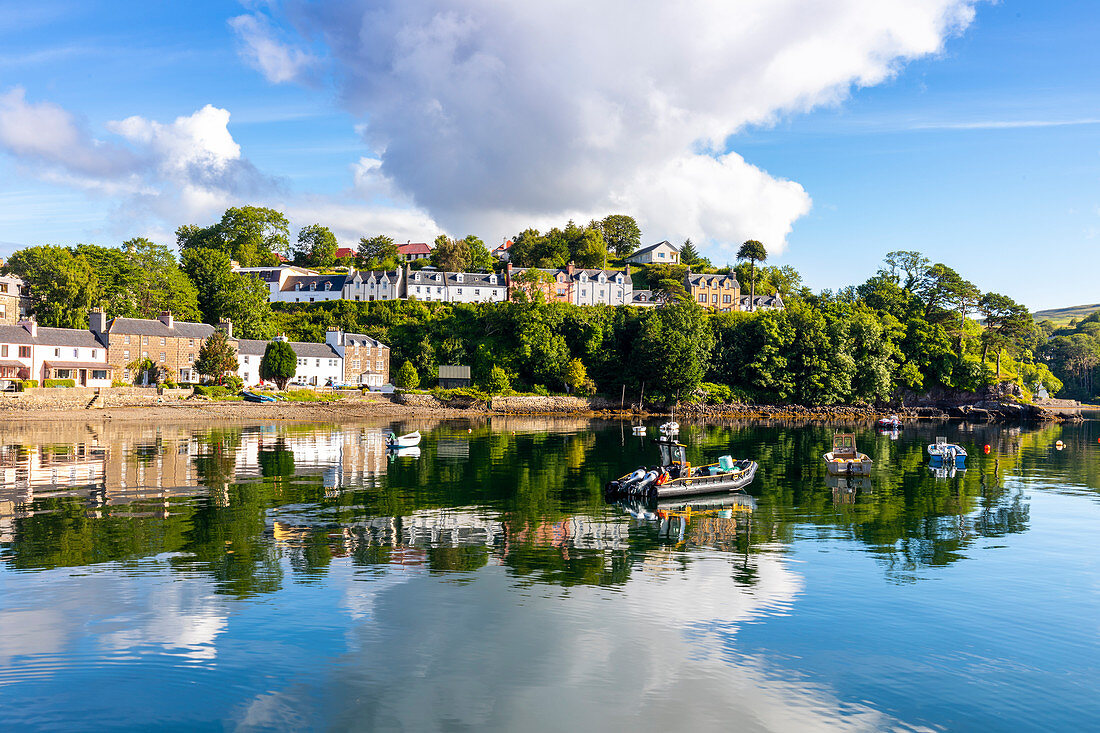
(652, 247)
(154, 327)
(342, 252)
(414, 248)
(476, 279)
(503, 247)
(50, 337)
(364, 275)
(335, 282)
(350, 339)
(769, 301)
(610, 274)
(303, 349)
(705, 280)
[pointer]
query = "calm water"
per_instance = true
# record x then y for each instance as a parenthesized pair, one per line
(290, 577)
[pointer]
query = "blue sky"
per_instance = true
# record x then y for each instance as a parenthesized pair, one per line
(970, 132)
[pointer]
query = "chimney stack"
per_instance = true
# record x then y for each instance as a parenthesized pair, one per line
(226, 325)
(165, 317)
(97, 321)
(31, 326)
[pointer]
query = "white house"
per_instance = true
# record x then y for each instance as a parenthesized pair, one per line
(475, 287)
(274, 278)
(609, 287)
(318, 364)
(28, 351)
(312, 288)
(427, 284)
(374, 285)
(662, 253)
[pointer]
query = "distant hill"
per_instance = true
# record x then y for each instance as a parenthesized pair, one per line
(1062, 316)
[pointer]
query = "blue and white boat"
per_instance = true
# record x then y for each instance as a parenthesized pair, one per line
(950, 454)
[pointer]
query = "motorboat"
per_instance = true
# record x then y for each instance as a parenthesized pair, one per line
(408, 440)
(844, 459)
(669, 428)
(893, 422)
(638, 430)
(947, 453)
(675, 476)
(254, 397)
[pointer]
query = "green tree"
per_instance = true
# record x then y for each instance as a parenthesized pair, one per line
(689, 255)
(450, 255)
(908, 264)
(216, 357)
(224, 294)
(251, 235)
(377, 253)
(279, 363)
(478, 256)
(208, 269)
(498, 381)
(1007, 323)
(672, 352)
(575, 376)
(316, 246)
(621, 234)
(754, 252)
(62, 285)
(158, 283)
(406, 377)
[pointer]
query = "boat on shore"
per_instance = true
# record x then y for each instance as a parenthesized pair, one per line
(408, 440)
(844, 459)
(257, 398)
(676, 477)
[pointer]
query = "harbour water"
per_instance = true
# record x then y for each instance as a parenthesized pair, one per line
(296, 576)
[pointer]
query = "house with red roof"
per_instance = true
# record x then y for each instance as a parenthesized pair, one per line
(501, 252)
(410, 251)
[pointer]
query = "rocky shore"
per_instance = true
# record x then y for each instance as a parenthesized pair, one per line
(149, 405)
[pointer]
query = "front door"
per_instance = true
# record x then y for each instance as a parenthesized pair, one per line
(83, 377)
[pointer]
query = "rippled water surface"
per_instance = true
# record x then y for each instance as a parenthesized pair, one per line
(296, 576)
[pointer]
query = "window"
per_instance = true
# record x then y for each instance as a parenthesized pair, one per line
(162, 359)
(355, 364)
(95, 353)
(57, 352)
(714, 298)
(726, 299)
(3, 311)
(3, 287)
(191, 343)
(703, 298)
(477, 291)
(460, 291)
(318, 363)
(561, 291)
(162, 341)
(76, 353)
(245, 358)
(126, 355)
(99, 374)
(4, 350)
(145, 355)
(190, 358)
(144, 340)
(126, 340)
(24, 352)
(661, 255)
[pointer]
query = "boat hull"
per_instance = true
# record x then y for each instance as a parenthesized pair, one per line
(693, 486)
(858, 466)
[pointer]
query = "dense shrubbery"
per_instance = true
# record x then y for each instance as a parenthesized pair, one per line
(60, 383)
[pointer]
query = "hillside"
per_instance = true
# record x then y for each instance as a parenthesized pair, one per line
(1062, 316)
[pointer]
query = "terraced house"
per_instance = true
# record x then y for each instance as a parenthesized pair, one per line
(366, 361)
(169, 343)
(14, 303)
(719, 292)
(28, 351)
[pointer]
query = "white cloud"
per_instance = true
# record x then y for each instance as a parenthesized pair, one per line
(187, 169)
(505, 113)
(277, 61)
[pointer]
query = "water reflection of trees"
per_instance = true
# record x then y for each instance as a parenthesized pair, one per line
(531, 501)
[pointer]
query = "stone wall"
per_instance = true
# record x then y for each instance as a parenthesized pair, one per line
(531, 405)
(73, 398)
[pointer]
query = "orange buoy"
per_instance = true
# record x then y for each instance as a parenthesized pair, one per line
(987, 448)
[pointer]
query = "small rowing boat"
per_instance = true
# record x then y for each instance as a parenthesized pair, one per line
(408, 440)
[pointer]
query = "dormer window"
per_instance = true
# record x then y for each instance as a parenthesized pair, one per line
(313, 286)
(619, 279)
(492, 279)
(328, 286)
(603, 278)
(458, 277)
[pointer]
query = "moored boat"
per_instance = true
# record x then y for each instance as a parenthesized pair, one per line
(947, 453)
(675, 476)
(408, 440)
(844, 459)
(893, 422)
(253, 397)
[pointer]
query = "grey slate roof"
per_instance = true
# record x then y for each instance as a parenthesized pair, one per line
(350, 339)
(712, 280)
(304, 349)
(652, 247)
(336, 282)
(474, 279)
(50, 337)
(365, 275)
(594, 275)
(764, 301)
(153, 327)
